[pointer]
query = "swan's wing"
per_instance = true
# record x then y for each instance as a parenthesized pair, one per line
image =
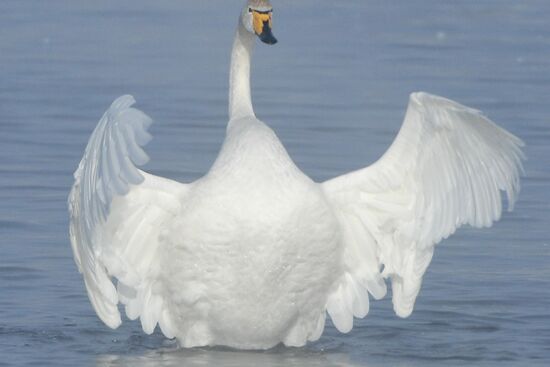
(445, 169)
(116, 214)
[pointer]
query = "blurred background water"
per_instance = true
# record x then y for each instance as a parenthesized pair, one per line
(335, 90)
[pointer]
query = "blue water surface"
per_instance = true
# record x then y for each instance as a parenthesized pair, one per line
(334, 89)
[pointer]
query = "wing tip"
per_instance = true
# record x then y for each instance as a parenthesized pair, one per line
(425, 99)
(123, 102)
(402, 307)
(113, 321)
(402, 312)
(420, 98)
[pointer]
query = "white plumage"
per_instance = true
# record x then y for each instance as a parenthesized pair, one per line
(255, 253)
(446, 168)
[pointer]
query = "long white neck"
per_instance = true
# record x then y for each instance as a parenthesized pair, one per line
(240, 101)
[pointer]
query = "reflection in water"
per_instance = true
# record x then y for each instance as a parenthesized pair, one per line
(287, 357)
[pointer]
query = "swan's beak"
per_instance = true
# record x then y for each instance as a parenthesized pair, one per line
(262, 27)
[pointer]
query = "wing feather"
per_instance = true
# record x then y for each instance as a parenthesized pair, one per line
(116, 215)
(446, 168)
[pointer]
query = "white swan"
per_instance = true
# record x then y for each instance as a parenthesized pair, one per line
(255, 253)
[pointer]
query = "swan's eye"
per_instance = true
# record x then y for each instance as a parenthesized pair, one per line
(250, 10)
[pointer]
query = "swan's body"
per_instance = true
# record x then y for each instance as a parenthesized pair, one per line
(255, 253)
(255, 210)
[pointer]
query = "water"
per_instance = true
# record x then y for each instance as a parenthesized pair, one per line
(334, 89)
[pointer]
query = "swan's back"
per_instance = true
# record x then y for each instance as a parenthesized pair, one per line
(253, 253)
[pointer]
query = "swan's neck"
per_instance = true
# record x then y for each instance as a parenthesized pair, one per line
(240, 102)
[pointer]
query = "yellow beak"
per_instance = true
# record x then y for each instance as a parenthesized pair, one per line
(262, 22)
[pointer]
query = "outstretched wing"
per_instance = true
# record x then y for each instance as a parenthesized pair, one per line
(446, 168)
(116, 212)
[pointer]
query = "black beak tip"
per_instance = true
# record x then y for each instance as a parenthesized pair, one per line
(270, 40)
(267, 36)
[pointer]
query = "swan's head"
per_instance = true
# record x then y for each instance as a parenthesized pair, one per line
(257, 19)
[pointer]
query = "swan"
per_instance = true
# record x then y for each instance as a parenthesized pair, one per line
(255, 253)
